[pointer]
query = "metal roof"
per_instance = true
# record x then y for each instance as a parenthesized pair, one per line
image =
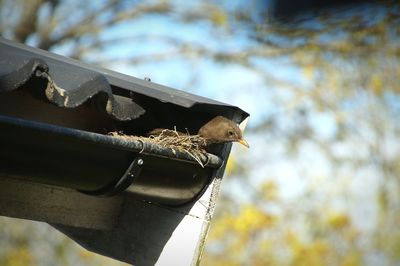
(72, 82)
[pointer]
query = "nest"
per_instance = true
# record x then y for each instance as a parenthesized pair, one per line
(193, 145)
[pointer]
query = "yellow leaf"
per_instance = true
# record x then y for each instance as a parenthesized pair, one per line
(270, 191)
(308, 72)
(352, 259)
(20, 256)
(376, 84)
(219, 17)
(338, 220)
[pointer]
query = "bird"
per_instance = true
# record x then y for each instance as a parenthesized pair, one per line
(218, 130)
(221, 130)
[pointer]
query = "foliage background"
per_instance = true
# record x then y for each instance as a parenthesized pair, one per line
(320, 184)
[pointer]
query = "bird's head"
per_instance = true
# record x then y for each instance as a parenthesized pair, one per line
(220, 129)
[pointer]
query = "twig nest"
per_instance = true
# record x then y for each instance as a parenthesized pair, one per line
(193, 145)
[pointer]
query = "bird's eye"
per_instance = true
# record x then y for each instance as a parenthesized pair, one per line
(230, 133)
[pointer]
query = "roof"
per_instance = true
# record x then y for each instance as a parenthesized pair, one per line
(66, 143)
(72, 82)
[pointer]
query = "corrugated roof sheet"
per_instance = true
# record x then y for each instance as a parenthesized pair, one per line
(71, 82)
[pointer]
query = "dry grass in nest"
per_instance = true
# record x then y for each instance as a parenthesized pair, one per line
(193, 145)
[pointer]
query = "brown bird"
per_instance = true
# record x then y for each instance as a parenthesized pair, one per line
(217, 130)
(220, 130)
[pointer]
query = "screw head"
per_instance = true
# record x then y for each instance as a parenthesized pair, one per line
(140, 161)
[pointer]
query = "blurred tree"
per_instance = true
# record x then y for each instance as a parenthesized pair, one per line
(322, 183)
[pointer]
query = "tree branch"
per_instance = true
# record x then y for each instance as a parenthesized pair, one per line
(28, 20)
(89, 25)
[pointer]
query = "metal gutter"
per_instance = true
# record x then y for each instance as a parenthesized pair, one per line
(96, 163)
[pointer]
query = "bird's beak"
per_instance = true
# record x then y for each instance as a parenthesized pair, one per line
(244, 143)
